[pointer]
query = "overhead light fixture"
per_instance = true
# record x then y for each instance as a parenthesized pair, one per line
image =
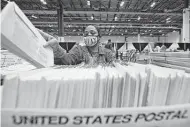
(153, 4)
(43, 1)
(88, 3)
(163, 34)
(122, 3)
(122, 34)
(113, 26)
(160, 30)
(150, 34)
(168, 19)
(92, 17)
(33, 16)
(115, 18)
(139, 17)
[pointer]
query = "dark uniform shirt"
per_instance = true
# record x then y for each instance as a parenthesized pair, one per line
(80, 54)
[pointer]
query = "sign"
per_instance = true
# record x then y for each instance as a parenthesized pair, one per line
(164, 116)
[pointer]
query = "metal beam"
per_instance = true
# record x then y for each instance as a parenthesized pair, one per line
(99, 12)
(104, 23)
(121, 26)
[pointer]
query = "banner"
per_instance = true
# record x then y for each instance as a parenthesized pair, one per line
(163, 116)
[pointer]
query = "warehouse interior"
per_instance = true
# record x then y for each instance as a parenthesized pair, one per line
(122, 21)
(119, 63)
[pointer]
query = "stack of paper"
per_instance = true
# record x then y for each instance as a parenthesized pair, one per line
(175, 60)
(96, 87)
(20, 37)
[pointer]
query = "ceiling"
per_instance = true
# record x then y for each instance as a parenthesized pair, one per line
(112, 18)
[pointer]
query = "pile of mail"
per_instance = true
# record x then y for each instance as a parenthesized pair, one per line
(96, 87)
(176, 60)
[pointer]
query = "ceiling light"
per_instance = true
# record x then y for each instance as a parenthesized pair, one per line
(115, 18)
(33, 16)
(162, 34)
(160, 30)
(113, 26)
(139, 18)
(122, 3)
(168, 19)
(44, 3)
(153, 4)
(150, 34)
(122, 34)
(92, 17)
(88, 3)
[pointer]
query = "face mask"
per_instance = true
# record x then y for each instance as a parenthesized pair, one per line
(90, 40)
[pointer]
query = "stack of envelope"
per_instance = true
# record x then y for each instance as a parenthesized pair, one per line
(96, 87)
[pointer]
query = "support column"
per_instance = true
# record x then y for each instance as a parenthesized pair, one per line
(180, 36)
(138, 36)
(186, 24)
(60, 18)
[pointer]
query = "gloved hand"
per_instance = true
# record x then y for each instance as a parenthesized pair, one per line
(51, 41)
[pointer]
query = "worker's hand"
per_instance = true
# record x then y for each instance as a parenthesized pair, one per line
(53, 43)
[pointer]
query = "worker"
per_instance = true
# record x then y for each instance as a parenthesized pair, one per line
(109, 45)
(91, 53)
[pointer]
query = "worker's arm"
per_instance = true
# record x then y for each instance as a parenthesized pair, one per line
(60, 55)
